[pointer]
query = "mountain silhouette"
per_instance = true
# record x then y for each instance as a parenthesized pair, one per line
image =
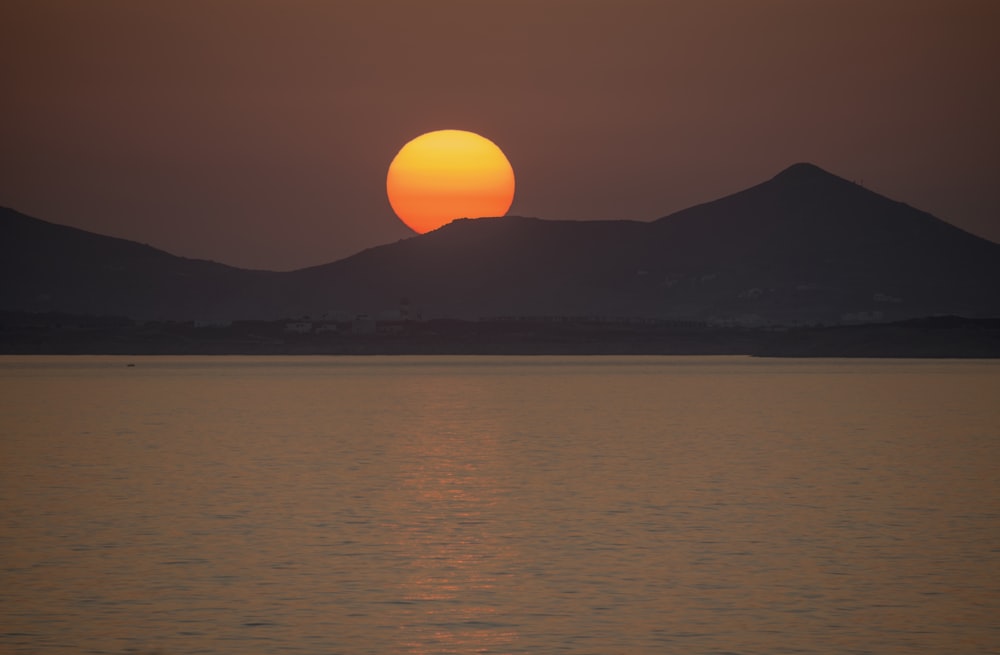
(47, 267)
(804, 246)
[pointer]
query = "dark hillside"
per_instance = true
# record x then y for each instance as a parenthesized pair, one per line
(804, 247)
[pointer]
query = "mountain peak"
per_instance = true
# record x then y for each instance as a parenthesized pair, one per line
(803, 171)
(805, 246)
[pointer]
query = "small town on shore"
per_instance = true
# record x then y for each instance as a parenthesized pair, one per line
(405, 331)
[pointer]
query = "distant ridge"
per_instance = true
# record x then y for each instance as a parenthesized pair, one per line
(805, 246)
(49, 267)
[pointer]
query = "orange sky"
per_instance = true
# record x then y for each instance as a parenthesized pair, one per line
(259, 133)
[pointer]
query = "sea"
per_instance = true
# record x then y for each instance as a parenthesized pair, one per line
(566, 505)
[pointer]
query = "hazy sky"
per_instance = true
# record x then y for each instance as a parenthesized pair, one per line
(258, 133)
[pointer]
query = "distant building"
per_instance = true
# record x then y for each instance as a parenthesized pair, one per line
(743, 320)
(407, 312)
(390, 328)
(338, 316)
(299, 327)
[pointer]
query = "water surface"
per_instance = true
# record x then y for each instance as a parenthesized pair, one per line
(498, 505)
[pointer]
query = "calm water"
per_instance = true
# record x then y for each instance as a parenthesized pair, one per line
(499, 505)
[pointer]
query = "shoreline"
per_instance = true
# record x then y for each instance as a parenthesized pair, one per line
(939, 337)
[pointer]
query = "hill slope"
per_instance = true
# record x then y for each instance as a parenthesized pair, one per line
(47, 267)
(805, 246)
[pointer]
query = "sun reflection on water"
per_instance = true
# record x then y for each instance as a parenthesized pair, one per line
(457, 572)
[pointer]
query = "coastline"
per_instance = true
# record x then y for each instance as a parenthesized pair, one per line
(938, 337)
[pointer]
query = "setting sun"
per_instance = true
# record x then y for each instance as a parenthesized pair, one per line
(449, 174)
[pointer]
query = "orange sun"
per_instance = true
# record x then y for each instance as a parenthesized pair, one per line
(449, 174)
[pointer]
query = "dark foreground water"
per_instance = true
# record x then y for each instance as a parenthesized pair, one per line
(499, 505)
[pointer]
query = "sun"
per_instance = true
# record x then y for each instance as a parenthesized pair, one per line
(448, 174)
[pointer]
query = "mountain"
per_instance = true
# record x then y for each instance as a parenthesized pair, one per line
(805, 246)
(46, 267)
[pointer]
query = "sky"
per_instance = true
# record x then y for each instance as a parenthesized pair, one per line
(259, 133)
